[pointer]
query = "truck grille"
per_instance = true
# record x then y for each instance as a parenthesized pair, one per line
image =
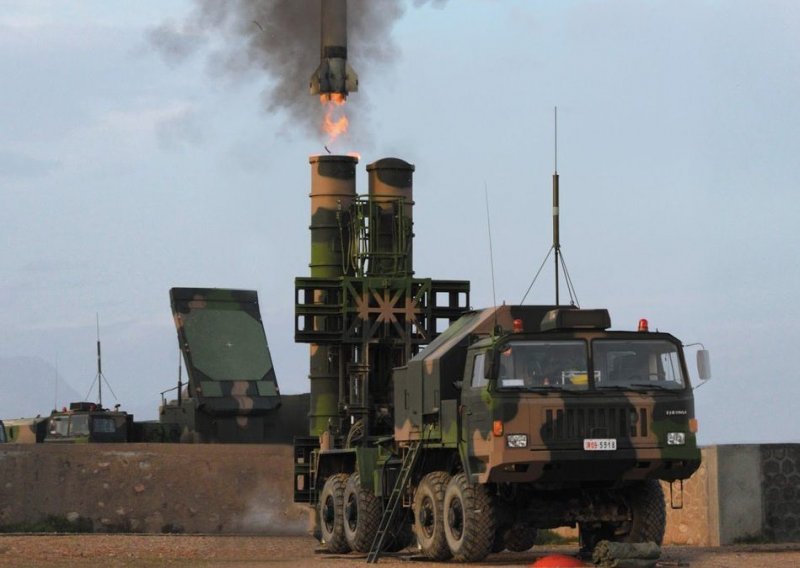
(579, 423)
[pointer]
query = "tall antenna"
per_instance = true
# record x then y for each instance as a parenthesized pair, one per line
(99, 365)
(491, 250)
(556, 236)
(55, 395)
(99, 377)
(556, 248)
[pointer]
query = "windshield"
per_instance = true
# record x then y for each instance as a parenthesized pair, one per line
(59, 426)
(637, 364)
(543, 364)
(80, 425)
(103, 425)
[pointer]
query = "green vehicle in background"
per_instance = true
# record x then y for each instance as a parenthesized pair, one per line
(87, 422)
(3, 438)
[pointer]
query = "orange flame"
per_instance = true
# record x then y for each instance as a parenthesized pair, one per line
(335, 122)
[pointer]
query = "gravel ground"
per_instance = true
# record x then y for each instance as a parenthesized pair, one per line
(240, 551)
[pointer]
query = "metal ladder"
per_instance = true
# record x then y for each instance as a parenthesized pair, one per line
(400, 486)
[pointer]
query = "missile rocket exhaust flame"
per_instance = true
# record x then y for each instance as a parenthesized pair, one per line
(335, 122)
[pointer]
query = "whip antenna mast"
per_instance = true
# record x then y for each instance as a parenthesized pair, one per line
(99, 366)
(491, 251)
(556, 236)
(100, 377)
(556, 248)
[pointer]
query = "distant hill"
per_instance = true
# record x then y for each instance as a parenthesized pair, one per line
(28, 387)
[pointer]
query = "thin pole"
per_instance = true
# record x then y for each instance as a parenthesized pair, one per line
(556, 236)
(99, 367)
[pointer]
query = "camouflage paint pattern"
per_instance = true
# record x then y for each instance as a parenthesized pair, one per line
(391, 217)
(333, 190)
(361, 309)
(232, 387)
(363, 313)
(556, 422)
(574, 451)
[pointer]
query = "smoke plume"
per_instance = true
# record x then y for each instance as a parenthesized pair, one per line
(279, 40)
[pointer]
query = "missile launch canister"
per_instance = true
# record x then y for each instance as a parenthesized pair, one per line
(334, 76)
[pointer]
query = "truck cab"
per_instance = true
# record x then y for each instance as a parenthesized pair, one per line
(548, 418)
(570, 402)
(87, 422)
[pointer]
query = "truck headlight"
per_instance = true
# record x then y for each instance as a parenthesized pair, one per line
(517, 440)
(676, 438)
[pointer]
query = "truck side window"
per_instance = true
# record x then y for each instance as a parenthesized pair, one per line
(478, 378)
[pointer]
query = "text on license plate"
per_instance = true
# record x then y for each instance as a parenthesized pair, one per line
(600, 444)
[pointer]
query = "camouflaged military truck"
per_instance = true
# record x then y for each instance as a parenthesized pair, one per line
(516, 419)
(88, 422)
(512, 419)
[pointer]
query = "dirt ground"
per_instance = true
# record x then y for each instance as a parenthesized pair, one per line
(244, 551)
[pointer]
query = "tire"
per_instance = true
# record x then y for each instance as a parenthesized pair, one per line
(331, 514)
(362, 515)
(469, 520)
(648, 513)
(648, 519)
(520, 538)
(429, 515)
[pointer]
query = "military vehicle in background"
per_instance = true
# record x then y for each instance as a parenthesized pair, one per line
(3, 439)
(515, 418)
(89, 422)
(26, 430)
(232, 393)
(81, 422)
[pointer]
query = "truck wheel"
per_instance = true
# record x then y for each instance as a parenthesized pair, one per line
(429, 515)
(469, 520)
(648, 513)
(362, 515)
(520, 538)
(647, 509)
(331, 514)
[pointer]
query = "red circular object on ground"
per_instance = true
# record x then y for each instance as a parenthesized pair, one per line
(557, 561)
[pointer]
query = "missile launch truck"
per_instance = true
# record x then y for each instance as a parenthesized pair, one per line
(473, 437)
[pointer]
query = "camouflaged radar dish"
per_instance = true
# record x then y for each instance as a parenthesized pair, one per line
(232, 382)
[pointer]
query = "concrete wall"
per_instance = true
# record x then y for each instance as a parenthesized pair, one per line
(155, 488)
(740, 493)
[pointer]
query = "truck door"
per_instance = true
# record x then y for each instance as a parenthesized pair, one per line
(476, 419)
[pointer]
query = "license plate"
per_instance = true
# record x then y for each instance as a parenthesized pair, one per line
(600, 444)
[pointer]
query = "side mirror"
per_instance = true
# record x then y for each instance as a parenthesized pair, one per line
(703, 364)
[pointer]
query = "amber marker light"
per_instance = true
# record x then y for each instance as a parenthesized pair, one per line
(693, 425)
(497, 428)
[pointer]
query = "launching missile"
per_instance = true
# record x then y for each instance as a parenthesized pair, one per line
(334, 75)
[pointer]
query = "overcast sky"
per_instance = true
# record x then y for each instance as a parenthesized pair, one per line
(126, 170)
